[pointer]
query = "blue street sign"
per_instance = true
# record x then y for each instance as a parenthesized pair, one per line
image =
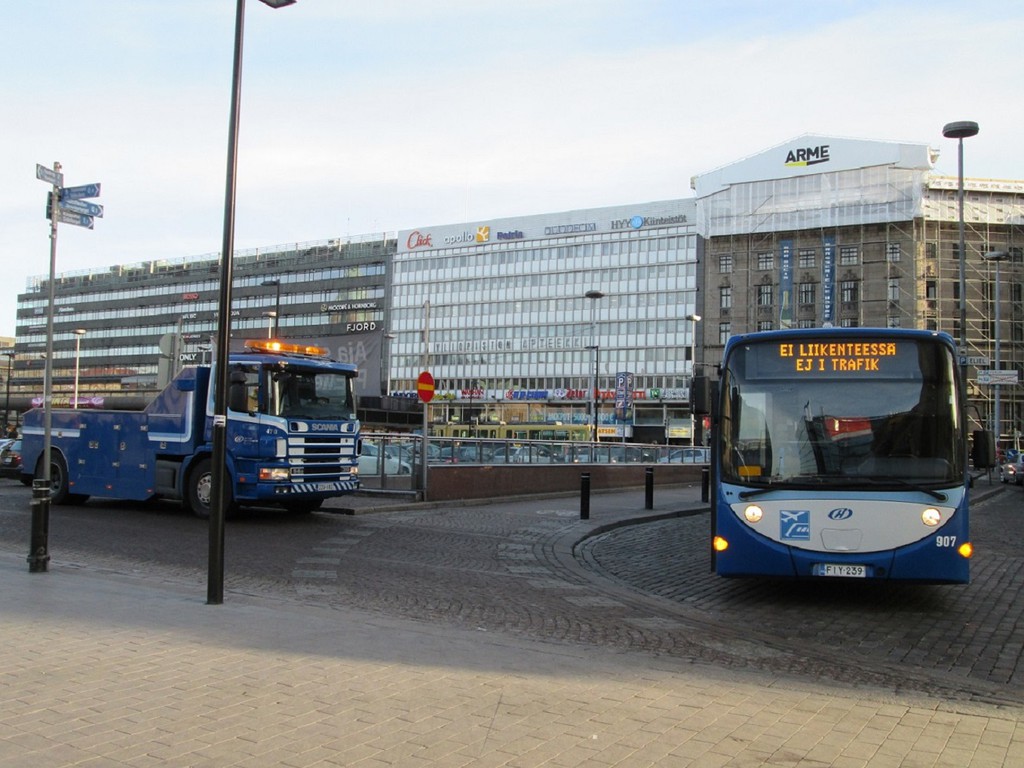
(82, 206)
(49, 175)
(77, 193)
(78, 219)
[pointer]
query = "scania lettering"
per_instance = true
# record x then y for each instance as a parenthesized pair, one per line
(841, 453)
(292, 436)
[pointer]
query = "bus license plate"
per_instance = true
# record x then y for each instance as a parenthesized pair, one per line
(835, 569)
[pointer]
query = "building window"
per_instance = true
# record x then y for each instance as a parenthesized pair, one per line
(764, 325)
(764, 295)
(893, 252)
(805, 258)
(849, 322)
(848, 255)
(725, 263)
(848, 291)
(725, 297)
(806, 293)
(765, 260)
(894, 322)
(804, 323)
(894, 289)
(724, 332)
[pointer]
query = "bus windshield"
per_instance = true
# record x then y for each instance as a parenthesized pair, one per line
(814, 410)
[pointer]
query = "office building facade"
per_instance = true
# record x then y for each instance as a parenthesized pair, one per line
(498, 312)
(824, 231)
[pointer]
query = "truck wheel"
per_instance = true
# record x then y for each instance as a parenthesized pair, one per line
(200, 488)
(60, 490)
(199, 493)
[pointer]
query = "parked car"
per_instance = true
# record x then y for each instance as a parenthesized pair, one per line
(1012, 471)
(687, 456)
(10, 462)
(369, 462)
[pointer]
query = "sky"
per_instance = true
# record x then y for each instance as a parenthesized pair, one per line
(370, 117)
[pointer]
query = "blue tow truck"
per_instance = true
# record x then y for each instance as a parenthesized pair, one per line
(292, 436)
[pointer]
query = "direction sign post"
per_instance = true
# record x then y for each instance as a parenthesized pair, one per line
(64, 205)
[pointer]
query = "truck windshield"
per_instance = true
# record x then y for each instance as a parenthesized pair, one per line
(812, 412)
(299, 394)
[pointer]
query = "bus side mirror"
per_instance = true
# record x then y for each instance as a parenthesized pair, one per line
(700, 396)
(983, 449)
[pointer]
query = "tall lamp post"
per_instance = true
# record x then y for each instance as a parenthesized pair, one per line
(219, 488)
(694, 319)
(960, 130)
(997, 257)
(9, 354)
(276, 284)
(594, 296)
(79, 333)
(271, 323)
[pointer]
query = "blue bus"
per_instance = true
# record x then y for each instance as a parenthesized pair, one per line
(841, 452)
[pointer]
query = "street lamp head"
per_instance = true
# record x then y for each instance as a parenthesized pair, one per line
(271, 283)
(961, 129)
(593, 295)
(695, 318)
(278, 3)
(80, 331)
(996, 256)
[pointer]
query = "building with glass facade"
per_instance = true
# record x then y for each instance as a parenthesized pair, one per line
(498, 312)
(819, 230)
(125, 328)
(829, 231)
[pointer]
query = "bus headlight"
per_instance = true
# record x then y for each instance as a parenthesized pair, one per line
(719, 544)
(966, 549)
(931, 516)
(753, 513)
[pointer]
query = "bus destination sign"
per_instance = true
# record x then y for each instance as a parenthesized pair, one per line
(837, 356)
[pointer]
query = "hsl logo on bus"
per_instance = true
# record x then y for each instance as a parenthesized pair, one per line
(840, 513)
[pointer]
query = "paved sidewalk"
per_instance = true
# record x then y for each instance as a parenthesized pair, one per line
(102, 669)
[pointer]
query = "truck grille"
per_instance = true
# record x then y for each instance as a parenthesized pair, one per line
(321, 458)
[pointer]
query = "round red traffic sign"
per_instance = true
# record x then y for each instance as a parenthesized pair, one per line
(425, 387)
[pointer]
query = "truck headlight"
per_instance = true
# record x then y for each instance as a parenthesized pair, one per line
(275, 474)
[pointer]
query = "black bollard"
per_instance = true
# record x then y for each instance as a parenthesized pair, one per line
(649, 488)
(705, 484)
(39, 555)
(585, 496)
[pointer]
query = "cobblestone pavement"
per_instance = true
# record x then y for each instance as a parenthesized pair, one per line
(934, 637)
(507, 634)
(532, 568)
